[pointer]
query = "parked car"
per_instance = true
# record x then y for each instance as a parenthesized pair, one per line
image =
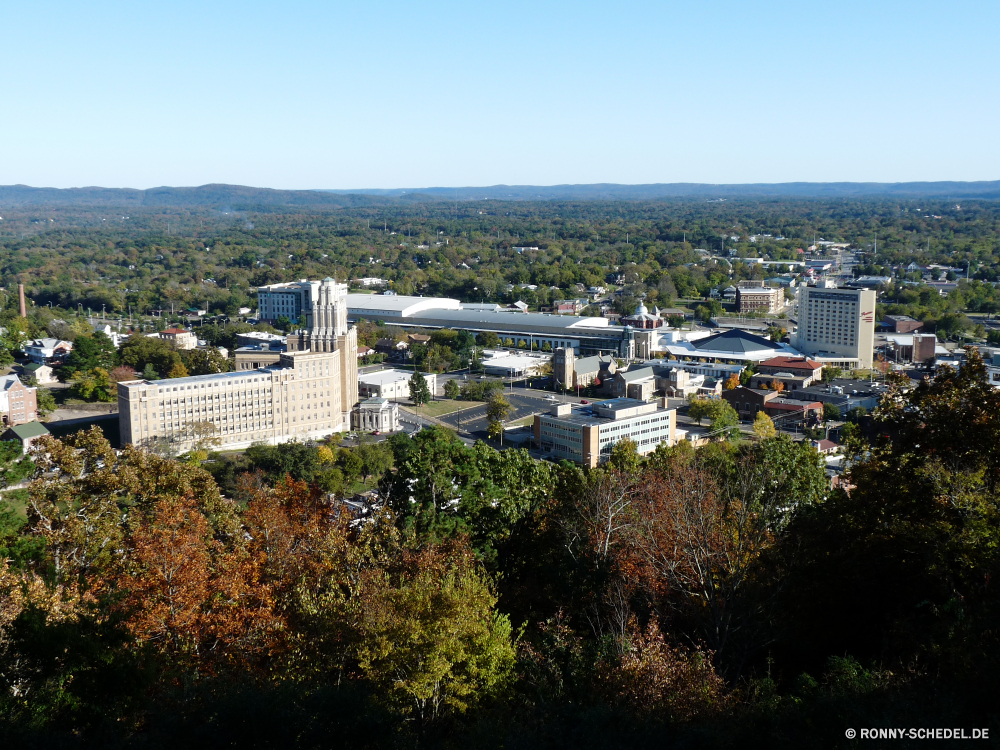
(584, 401)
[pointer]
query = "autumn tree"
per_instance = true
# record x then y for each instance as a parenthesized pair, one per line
(430, 638)
(763, 426)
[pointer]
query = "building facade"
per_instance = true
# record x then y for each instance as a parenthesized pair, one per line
(302, 396)
(757, 297)
(837, 324)
(375, 415)
(18, 402)
(586, 436)
(394, 384)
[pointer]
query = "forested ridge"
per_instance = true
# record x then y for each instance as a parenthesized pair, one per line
(716, 597)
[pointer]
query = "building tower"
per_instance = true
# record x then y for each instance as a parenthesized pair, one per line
(327, 331)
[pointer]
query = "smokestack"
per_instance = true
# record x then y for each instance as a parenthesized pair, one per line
(20, 296)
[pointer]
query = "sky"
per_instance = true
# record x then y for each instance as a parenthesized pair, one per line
(381, 94)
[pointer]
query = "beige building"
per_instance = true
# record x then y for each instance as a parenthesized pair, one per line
(586, 436)
(757, 297)
(301, 397)
(18, 402)
(180, 338)
(837, 326)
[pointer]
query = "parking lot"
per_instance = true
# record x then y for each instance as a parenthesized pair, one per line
(473, 422)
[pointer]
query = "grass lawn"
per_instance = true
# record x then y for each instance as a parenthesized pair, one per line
(520, 422)
(445, 406)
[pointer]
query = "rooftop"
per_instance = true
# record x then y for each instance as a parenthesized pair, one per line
(384, 377)
(30, 430)
(795, 363)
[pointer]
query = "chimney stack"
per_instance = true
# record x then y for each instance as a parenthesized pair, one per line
(20, 296)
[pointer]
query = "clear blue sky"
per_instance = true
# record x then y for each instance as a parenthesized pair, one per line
(296, 94)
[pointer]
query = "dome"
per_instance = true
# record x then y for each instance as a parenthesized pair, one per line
(641, 310)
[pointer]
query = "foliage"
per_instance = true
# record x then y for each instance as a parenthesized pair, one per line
(763, 426)
(452, 389)
(94, 385)
(420, 392)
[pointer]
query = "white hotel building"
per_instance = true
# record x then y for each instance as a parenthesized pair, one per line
(837, 326)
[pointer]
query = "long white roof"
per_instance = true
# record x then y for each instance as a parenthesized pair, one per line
(397, 306)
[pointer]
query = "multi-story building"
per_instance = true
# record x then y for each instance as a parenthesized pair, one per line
(298, 399)
(587, 435)
(18, 402)
(757, 297)
(301, 397)
(180, 338)
(837, 326)
(288, 300)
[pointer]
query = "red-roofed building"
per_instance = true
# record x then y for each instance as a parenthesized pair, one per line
(180, 338)
(797, 367)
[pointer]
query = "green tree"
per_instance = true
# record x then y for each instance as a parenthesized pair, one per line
(763, 426)
(94, 385)
(205, 362)
(497, 411)
(430, 638)
(46, 401)
(831, 412)
(420, 393)
(452, 389)
(90, 352)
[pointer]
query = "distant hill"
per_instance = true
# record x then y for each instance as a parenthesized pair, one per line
(210, 196)
(248, 198)
(611, 191)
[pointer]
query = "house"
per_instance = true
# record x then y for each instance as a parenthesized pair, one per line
(47, 351)
(26, 434)
(42, 374)
(180, 338)
(364, 351)
(18, 402)
(197, 312)
(419, 338)
(389, 346)
(825, 447)
(111, 333)
(568, 306)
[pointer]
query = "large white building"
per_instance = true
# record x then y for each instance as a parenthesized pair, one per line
(837, 326)
(588, 335)
(308, 393)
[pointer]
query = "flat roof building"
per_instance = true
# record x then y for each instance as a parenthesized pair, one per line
(393, 384)
(587, 435)
(588, 335)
